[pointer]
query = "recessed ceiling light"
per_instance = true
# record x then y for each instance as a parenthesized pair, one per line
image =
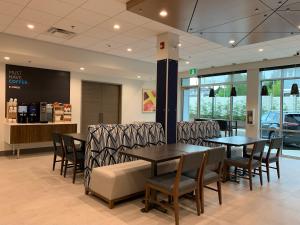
(82, 68)
(231, 41)
(129, 49)
(299, 27)
(139, 77)
(30, 26)
(117, 27)
(179, 45)
(261, 50)
(187, 62)
(163, 13)
(7, 58)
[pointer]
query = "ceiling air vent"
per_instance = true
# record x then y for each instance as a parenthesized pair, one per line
(60, 33)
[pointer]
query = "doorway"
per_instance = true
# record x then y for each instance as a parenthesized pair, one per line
(101, 103)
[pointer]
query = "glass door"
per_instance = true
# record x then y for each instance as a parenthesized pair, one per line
(270, 110)
(291, 119)
(280, 110)
(190, 104)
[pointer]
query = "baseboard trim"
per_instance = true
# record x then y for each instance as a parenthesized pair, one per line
(25, 151)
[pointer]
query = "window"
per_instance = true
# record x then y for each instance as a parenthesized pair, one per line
(223, 106)
(196, 102)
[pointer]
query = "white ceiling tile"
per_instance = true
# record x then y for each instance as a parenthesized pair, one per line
(19, 2)
(10, 9)
(74, 2)
(126, 40)
(109, 25)
(38, 16)
(19, 27)
(5, 19)
(109, 8)
(81, 41)
(87, 17)
(2, 27)
(72, 25)
(106, 45)
(54, 7)
(99, 33)
(141, 33)
(132, 18)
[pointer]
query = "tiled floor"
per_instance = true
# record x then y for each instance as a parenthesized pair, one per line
(31, 193)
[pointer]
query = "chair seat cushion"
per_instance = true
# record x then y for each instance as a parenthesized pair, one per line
(166, 182)
(272, 157)
(241, 162)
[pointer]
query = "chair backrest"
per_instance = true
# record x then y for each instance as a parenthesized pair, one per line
(215, 159)
(69, 145)
(57, 142)
(276, 143)
(223, 125)
(258, 149)
(191, 162)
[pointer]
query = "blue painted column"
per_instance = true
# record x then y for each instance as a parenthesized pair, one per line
(166, 84)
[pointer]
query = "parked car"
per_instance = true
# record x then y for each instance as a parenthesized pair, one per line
(291, 121)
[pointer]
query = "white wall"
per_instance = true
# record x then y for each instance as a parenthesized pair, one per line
(131, 99)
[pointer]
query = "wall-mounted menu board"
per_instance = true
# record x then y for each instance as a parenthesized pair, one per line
(29, 84)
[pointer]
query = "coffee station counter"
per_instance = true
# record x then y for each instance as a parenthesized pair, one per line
(17, 134)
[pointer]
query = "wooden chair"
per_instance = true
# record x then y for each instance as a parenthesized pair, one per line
(58, 151)
(248, 164)
(176, 184)
(73, 158)
(269, 157)
(212, 173)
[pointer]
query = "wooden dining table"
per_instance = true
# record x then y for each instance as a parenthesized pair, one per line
(230, 141)
(163, 153)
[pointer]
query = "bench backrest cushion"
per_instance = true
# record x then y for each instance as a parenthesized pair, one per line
(195, 132)
(105, 141)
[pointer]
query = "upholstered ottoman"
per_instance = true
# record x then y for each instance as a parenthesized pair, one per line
(120, 181)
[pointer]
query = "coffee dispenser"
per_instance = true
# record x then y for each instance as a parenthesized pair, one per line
(43, 112)
(49, 112)
(33, 115)
(22, 113)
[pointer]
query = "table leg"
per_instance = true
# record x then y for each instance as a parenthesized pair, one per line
(229, 151)
(244, 150)
(13, 149)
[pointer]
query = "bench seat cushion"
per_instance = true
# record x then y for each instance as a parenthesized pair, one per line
(120, 180)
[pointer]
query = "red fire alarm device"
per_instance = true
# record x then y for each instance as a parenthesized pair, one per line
(162, 45)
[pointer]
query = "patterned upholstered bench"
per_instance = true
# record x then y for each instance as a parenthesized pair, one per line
(111, 176)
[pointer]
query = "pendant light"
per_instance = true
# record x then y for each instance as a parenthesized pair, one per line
(264, 91)
(211, 93)
(295, 89)
(233, 92)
